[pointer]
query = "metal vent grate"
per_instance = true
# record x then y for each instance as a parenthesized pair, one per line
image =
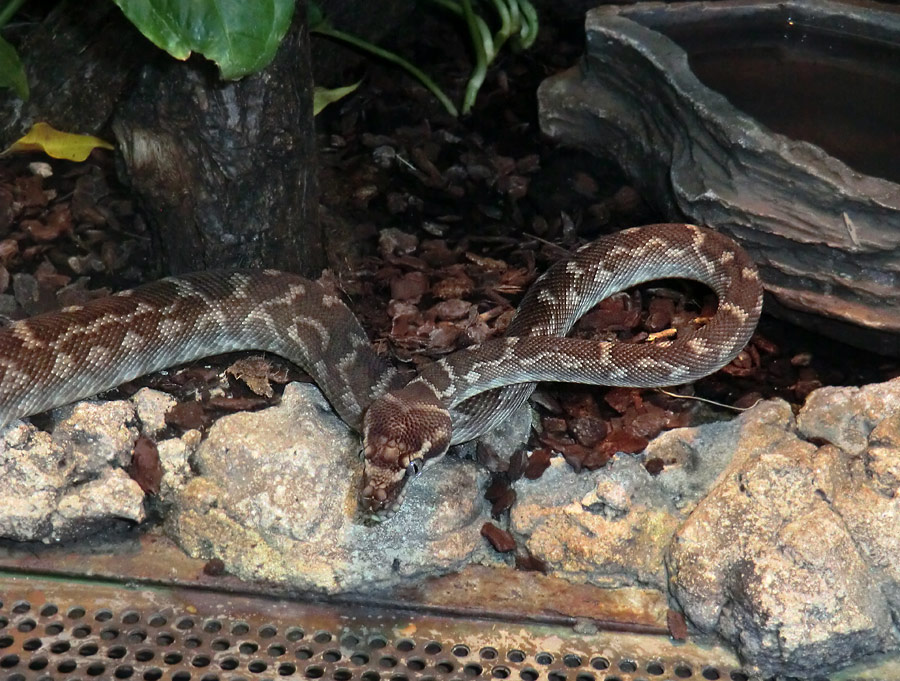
(50, 630)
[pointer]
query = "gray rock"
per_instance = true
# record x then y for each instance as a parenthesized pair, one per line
(151, 407)
(609, 527)
(882, 462)
(114, 495)
(779, 534)
(846, 417)
(792, 553)
(52, 492)
(510, 435)
(174, 457)
(824, 235)
(30, 478)
(697, 457)
(283, 508)
(96, 434)
(871, 511)
(786, 548)
(804, 603)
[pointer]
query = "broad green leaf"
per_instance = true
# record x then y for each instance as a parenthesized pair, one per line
(322, 97)
(12, 73)
(57, 144)
(241, 36)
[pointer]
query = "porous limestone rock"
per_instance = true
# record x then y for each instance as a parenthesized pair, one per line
(776, 532)
(609, 527)
(275, 499)
(151, 407)
(69, 484)
(791, 554)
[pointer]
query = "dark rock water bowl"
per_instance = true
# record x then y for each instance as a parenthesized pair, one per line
(777, 123)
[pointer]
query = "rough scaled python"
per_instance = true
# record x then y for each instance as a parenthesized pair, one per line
(55, 358)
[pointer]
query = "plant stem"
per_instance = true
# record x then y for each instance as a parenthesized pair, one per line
(387, 55)
(529, 25)
(484, 52)
(448, 5)
(506, 26)
(452, 6)
(9, 10)
(515, 19)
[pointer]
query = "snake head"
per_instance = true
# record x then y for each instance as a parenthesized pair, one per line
(403, 431)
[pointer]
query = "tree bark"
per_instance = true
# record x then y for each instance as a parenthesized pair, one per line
(78, 62)
(225, 170)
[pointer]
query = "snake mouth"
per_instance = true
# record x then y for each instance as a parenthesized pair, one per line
(383, 485)
(372, 516)
(375, 519)
(381, 495)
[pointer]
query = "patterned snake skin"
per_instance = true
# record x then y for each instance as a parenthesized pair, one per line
(59, 357)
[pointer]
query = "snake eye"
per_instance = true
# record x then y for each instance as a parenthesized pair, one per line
(414, 468)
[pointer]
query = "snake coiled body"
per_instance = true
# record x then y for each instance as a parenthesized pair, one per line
(59, 357)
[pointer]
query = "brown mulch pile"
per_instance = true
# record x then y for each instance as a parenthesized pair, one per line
(459, 217)
(468, 213)
(65, 228)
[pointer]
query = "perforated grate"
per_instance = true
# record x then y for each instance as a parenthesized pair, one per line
(84, 631)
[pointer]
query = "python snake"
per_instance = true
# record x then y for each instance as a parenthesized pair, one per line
(56, 358)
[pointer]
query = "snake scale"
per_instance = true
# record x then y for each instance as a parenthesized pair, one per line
(55, 358)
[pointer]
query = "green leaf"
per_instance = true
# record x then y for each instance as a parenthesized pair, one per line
(12, 73)
(241, 36)
(322, 97)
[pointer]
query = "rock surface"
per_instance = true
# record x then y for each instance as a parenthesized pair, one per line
(275, 499)
(151, 407)
(824, 235)
(790, 556)
(780, 534)
(776, 532)
(609, 527)
(174, 457)
(69, 484)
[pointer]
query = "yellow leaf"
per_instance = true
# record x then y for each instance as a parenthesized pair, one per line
(57, 144)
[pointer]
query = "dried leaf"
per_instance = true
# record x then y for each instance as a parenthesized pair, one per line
(621, 399)
(214, 567)
(411, 287)
(517, 463)
(677, 625)
(531, 563)
(254, 372)
(145, 468)
(588, 431)
(452, 309)
(500, 539)
(236, 404)
(538, 462)
(188, 416)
